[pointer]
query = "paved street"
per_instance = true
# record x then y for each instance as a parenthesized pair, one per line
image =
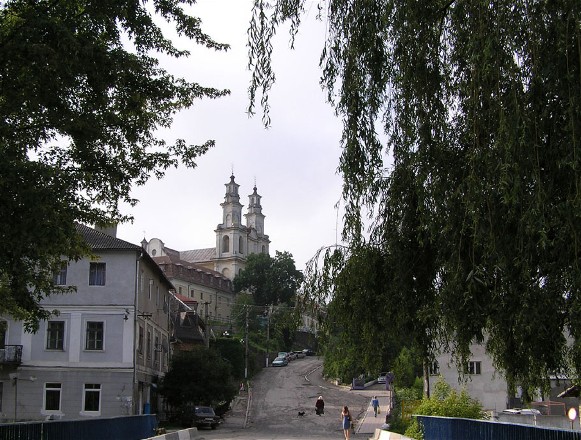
(279, 394)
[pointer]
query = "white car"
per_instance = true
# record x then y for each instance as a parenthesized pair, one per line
(382, 377)
(523, 411)
(280, 362)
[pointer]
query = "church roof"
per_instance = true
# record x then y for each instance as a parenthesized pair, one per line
(198, 255)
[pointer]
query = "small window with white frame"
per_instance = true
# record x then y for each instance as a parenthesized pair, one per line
(55, 335)
(97, 274)
(95, 333)
(52, 397)
(474, 367)
(60, 276)
(92, 398)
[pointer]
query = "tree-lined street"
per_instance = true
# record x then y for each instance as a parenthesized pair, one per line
(278, 394)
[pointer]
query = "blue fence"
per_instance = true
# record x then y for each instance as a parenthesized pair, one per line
(443, 428)
(117, 428)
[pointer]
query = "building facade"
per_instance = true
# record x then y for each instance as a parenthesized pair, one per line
(205, 275)
(104, 349)
(234, 239)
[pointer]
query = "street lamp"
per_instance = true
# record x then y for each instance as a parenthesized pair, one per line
(14, 378)
(572, 414)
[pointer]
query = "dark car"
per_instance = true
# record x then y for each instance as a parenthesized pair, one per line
(203, 416)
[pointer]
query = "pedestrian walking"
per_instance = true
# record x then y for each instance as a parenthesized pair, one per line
(346, 421)
(320, 406)
(375, 405)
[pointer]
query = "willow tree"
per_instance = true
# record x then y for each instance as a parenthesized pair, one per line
(480, 103)
(82, 96)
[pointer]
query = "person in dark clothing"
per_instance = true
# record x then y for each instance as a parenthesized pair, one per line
(320, 406)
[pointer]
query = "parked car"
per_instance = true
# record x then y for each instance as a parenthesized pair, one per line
(523, 411)
(292, 355)
(309, 352)
(283, 354)
(280, 362)
(382, 378)
(299, 354)
(202, 416)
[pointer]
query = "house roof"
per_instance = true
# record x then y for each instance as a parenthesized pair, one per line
(100, 241)
(197, 255)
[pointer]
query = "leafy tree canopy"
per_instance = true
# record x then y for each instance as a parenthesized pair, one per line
(478, 178)
(271, 281)
(81, 98)
(198, 377)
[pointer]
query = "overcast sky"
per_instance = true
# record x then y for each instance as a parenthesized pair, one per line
(293, 163)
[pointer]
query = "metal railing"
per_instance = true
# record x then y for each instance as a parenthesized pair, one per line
(115, 428)
(450, 428)
(11, 355)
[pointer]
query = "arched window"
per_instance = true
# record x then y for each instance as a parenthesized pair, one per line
(263, 249)
(240, 245)
(226, 244)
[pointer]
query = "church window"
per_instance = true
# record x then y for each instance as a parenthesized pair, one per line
(226, 244)
(240, 245)
(263, 249)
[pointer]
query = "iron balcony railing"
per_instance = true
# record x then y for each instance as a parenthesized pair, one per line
(11, 355)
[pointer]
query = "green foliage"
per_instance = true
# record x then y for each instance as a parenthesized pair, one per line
(404, 368)
(233, 351)
(397, 423)
(82, 97)
(271, 280)
(199, 377)
(473, 198)
(445, 402)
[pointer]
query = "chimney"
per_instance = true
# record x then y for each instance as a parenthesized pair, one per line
(110, 229)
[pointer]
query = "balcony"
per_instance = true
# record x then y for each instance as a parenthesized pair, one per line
(11, 355)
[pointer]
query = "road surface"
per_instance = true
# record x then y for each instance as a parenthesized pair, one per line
(280, 393)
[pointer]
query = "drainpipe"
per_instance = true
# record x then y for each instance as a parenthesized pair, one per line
(134, 391)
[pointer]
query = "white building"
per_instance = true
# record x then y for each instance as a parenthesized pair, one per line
(105, 349)
(234, 240)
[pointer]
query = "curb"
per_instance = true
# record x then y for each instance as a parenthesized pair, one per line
(184, 434)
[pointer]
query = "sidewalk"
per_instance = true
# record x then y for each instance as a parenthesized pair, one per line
(369, 423)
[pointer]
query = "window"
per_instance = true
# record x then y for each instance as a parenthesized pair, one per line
(3, 331)
(94, 336)
(226, 244)
(92, 397)
(60, 277)
(179, 290)
(157, 349)
(52, 396)
(473, 367)
(140, 341)
(434, 368)
(157, 296)
(97, 274)
(201, 295)
(240, 245)
(1, 394)
(164, 351)
(150, 287)
(55, 334)
(148, 344)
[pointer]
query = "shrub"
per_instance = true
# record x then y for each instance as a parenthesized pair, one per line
(445, 402)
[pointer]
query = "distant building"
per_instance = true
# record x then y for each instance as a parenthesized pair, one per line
(205, 275)
(105, 350)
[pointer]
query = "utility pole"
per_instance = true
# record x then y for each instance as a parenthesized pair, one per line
(246, 347)
(267, 336)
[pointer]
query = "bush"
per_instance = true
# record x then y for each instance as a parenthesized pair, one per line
(445, 402)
